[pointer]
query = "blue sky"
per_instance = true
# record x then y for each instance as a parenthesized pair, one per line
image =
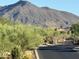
(65, 5)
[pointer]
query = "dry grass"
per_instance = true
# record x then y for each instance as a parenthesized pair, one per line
(29, 55)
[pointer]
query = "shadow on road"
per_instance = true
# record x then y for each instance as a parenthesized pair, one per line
(59, 48)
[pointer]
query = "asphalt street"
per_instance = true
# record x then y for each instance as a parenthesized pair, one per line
(57, 52)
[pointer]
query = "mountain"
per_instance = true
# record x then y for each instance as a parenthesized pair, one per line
(29, 13)
(0, 6)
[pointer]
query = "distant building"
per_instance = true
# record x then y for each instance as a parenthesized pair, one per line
(63, 29)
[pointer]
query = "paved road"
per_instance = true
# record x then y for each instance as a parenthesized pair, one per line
(57, 52)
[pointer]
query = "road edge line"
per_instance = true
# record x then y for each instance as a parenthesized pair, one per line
(36, 54)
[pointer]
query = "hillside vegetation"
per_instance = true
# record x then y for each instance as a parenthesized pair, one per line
(18, 34)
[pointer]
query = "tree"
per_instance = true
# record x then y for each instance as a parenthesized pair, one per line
(75, 32)
(75, 29)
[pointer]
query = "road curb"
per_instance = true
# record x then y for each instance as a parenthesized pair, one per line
(36, 54)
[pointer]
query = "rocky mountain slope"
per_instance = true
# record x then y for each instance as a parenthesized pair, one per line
(28, 13)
